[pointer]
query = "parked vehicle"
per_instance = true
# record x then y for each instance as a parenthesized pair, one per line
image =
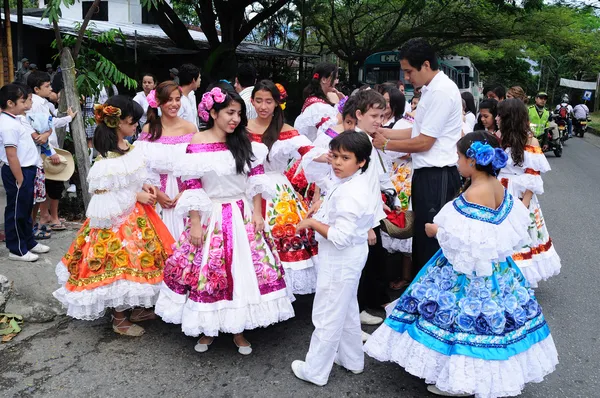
(551, 140)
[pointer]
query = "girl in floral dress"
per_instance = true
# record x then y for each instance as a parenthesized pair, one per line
(522, 178)
(224, 275)
(117, 258)
(469, 324)
(163, 140)
(287, 208)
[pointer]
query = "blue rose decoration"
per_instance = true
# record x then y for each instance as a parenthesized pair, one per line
(409, 304)
(485, 155)
(500, 159)
(522, 295)
(446, 284)
(510, 324)
(432, 292)
(532, 308)
(520, 316)
(427, 309)
(465, 322)
(446, 300)
(482, 326)
(444, 318)
(484, 294)
(497, 322)
(489, 308)
(470, 306)
(510, 303)
(418, 291)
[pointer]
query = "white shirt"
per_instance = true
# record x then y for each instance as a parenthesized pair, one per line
(246, 95)
(14, 134)
(187, 110)
(470, 121)
(407, 108)
(103, 96)
(569, 107)
(439, 115)
(141, 99)
(192, 98)
(581, 111)
(41, 105)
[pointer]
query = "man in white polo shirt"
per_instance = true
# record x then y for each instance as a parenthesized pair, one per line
(431, 142)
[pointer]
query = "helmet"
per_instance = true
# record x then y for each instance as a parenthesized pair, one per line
(565, 98)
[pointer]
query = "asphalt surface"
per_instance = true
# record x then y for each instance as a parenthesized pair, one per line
(77, 359)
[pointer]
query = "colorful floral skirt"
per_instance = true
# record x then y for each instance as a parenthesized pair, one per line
(296, 251)
(401, 177)
(39, 186)
(478, 335)
(233, 282)
(117, 268)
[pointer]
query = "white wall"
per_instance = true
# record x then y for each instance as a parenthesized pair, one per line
(119, 11)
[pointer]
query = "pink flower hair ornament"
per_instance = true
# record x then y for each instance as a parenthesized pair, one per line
(151, 98)
(208, 101)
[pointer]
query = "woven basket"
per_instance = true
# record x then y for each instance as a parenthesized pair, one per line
(395, 231)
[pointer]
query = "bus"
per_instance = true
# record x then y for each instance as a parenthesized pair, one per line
(384, 66)
(468, 76)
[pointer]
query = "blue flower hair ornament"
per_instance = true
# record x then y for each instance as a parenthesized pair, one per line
(484, 154)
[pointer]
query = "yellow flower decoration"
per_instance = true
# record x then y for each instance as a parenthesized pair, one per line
(107, 114)
(99, 250)
(282, 207)
(148, 233)
(94, 264)
(146, 260)
(73, 268)
(151, 246)
(141, 222)
(109, 264)
(104, 235)
(121, 258)
(113, 245)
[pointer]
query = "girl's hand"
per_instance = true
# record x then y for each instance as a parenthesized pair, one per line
(324, 158)
(164, 200)
(146, 198)
(196, 233)
(258, 221)
(431, 230)
(372, 237)
(304, 224)
(314, 208)
(174, 201)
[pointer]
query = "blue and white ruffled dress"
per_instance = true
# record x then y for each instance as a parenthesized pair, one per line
(469, 322)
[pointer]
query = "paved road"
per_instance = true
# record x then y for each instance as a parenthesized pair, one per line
(88, 359)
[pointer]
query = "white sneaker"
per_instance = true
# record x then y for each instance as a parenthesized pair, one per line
(28, 257)
(368, 319)
(365, 337)
(434, 390)
(72, 188)
(299, 373)
(356, 372)
(40, 249)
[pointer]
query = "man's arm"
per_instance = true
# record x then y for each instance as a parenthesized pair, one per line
(420, 143)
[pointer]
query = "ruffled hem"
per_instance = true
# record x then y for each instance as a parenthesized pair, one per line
(462, 374)
(536, 161)
(540, 267)
(301, 281)
(176, 308)
(88, 305)
(161, 157)
(111, 209)
(284, 150)
(393, 245)
(125, 171)
(193, 199)
(472, 246)
(524, 182)
(306, 123)
(260, 184)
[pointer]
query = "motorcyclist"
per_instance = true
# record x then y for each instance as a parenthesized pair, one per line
(568, 111)
(581, 113)
(539, 115)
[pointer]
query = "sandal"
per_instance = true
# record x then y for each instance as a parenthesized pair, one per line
(203, 347)
(58, 227)
(131, 330)
(142, 315)
(40, 232)
(399, 284)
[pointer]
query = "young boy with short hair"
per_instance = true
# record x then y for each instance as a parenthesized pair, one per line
(342, 224)
(20, 156)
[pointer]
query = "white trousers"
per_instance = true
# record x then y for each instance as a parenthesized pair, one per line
(335, 314)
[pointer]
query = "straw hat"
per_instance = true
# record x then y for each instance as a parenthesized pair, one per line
(62, 171)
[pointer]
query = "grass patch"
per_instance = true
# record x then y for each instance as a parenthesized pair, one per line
(594, 125)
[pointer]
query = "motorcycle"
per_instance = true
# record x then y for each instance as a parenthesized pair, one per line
(561, 123)
(580, 126)
(551, 139)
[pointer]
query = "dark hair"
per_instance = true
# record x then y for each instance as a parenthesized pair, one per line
(237, 142)
(11, 92)
(26, 89)
(470, 102)
(416, 51)
(356, 142)
(514, 118)
(246, 75)
(222, 84)
(105, 138)
(37, 78)
(188, 73)
(500, 92)
(464, 144)
(271, 134)
(397, 99)
(367, 99)
(323, 70)
(491, 105)
(163, 92)
(349, 108)
(151, 75)
(417, 96)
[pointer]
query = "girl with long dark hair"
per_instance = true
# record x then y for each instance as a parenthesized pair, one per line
(163, 140)
(224, 275)
(470, 111)
(116, 261)
(318, 112)
(488, 109)
(287, 208)
(522, 178)
(470, 308)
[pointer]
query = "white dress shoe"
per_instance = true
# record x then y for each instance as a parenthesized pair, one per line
(297, 368)
(199, 347)
(242, 349)
(40, 249)
(368, 319)
(28, 257)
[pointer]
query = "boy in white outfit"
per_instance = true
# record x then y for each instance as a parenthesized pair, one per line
(342, 224)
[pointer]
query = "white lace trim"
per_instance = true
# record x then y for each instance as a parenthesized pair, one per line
(161, 158)
(92, 304)
(193, 199)
(471, 246)
(175, 308)
(540, 267)
(315, 172)
(307, 121)
(110, 209)
(301, 281)
(393, 245)
(283, 151)
(462, 374)
(524, 182)
(260, 184)
(117, 173)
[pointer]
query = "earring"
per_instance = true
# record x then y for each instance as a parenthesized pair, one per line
(472, 164)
